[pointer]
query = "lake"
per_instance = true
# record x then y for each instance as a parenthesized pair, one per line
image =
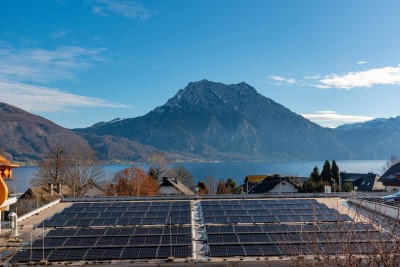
(219, 170)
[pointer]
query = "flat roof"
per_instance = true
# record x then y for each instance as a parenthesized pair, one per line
(190, 229)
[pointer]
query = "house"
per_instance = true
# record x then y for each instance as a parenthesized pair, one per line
(391, 179)
(252, 180)
(171, 186)
(93, 189)
(274, 184)
(365, 182)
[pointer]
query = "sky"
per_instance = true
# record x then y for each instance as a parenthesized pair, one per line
(79, 62)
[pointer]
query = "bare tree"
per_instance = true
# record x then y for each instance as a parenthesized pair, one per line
(53, 168)
(158, 166)
(183, 176)
(211, 183)
(77, 168)
(364, 240)
(83, 170)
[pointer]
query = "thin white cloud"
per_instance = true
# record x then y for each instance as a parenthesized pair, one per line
(129, 9)
(320, 86)
(59, 34)
(362, 62)
(40, 65)
(326, 112)
(348, 80)
(21, 69)
(367, 78)
(330, 118)
(34, 98)
(313, 77)
(282, 80)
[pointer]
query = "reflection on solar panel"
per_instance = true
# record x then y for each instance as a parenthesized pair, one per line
(86, 231)
(289, 226)
(122, 214)
(92, 254)
(268, 211)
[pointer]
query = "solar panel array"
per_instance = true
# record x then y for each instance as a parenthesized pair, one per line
(115, 231)
(157, 230)
(268, 211)
(284, 227)
(122, 214)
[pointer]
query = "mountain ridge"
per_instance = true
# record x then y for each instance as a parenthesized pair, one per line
(205, 121)
(27, 138)
(217, 120)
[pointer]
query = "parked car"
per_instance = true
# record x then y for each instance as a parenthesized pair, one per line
(391, 198)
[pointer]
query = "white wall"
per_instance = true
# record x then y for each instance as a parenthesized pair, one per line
(168, 190)
(284, 187)
(392, 188)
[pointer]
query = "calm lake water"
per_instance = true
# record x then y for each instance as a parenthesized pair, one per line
(219, 170)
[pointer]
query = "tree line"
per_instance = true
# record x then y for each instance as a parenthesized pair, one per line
(329, 176)
(79, 168)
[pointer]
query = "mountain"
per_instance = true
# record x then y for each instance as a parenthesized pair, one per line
(102, 123)
(227, 122)
(26, 137)
(375, 139)
(205, 121)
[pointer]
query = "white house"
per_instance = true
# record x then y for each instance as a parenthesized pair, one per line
(171, 186)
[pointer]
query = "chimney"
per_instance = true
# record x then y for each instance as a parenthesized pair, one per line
(60, 189)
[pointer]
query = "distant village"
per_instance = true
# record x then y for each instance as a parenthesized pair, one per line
(162, 217)
(58, 177)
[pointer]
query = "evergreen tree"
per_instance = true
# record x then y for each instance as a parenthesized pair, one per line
(335, 172)
(315, 176)
(234, 188)
(326, 174)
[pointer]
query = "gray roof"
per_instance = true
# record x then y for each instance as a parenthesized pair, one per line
(269, 183)
(391, 174)
(364, 181)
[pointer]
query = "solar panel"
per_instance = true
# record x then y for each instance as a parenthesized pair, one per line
(319, 224)
(94, 254)
(150, 252)
(155, 229)
(226, 251)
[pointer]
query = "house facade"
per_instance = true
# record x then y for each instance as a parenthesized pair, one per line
(363, 182)
(171, 186)
(391, 179)
(273, 184)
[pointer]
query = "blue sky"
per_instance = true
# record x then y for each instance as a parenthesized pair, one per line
(81, 62)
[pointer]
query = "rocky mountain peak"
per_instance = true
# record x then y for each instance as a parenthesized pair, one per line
(206, 94)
